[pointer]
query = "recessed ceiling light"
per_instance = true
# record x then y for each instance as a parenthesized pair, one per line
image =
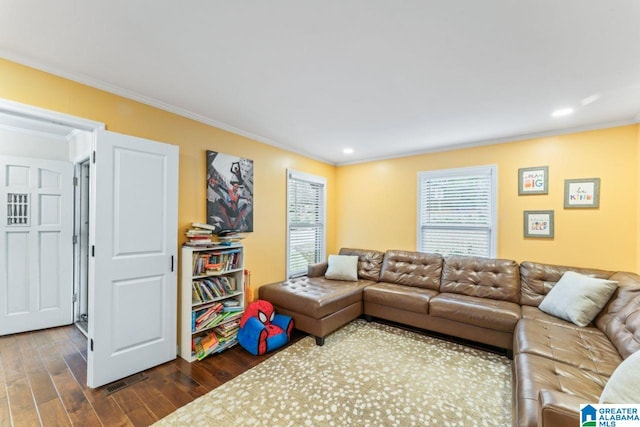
(348, 151)
(562, 112)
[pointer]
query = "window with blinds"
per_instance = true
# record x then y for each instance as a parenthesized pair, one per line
(306, 209)
(457, 211)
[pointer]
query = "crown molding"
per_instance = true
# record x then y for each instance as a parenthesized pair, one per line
(135, 96)
(501, 140)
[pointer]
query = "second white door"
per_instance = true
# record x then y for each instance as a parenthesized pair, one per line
(36, 249)
(133, 279)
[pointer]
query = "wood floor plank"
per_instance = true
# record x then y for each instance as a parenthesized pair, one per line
(12, 363)
(52, 413)
(108, 411)
(133, 407)
(78, 366)
(187, 384)
(5, 414)
(153, 399)
(42, 387)
(21, 404)
(200, 374)
(79, 340)
(80, 411)
(54, 363)
(173, 394)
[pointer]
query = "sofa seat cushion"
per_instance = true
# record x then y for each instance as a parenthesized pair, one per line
(316, 297)
(483, 312)
(409, 298)
(533, 373)
(584, 348)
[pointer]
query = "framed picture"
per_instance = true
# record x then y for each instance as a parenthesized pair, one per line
(538, 223)
(533, 180)
(229, 192)
(582, 193)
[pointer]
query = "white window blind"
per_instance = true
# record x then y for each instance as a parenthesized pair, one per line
(305, 222)
(457, 213)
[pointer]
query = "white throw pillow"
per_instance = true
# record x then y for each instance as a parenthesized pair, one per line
(342, 267)
(578, 298)
(622, 387)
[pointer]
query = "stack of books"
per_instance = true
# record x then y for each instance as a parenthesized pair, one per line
(200, 235)
(206, 316)
(228, 237)
(231, 306)
(205, 345)
(228, 330)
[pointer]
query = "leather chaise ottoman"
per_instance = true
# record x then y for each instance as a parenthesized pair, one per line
(318, 305)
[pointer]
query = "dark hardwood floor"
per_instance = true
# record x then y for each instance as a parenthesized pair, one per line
(43, 382)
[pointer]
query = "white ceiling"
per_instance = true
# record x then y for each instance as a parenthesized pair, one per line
(386, 78)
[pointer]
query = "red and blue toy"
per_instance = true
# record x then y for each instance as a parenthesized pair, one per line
(262, 330)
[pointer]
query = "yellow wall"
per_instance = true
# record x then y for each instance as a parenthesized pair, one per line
(377, 200)
(266, 246)
(373, 205)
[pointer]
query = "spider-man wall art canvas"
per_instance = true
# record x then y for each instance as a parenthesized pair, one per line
(229, 192)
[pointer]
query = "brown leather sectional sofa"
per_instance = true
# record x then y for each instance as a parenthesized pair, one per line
(556, 364)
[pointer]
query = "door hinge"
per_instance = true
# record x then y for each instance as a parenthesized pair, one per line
(94, 156)
(172, 263)
(75, 297)
(75, 239)
(93, 250)
(75, 181)
(91, 344)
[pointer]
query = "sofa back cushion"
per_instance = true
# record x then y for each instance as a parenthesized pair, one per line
(369, 262)
(412, 269)
(536, 280)
(497, 279)
(620, 318)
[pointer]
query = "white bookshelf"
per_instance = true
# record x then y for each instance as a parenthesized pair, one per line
(188, 305)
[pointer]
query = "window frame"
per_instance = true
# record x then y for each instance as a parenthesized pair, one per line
(492, 171)
(314, 179)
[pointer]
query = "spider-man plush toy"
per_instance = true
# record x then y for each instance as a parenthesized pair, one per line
(262, 330)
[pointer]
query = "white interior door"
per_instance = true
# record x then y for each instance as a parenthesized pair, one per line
(36, 250)
(132, 289)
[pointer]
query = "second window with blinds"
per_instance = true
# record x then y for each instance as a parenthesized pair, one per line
(457, 211)
(306, 213)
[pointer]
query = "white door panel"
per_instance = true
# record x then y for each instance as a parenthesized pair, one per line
(132, 292)
(36, 262)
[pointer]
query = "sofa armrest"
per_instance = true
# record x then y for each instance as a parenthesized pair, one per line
(317, 269)
(558, 409)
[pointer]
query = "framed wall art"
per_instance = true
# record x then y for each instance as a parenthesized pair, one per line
(582, 193)
(538, 224)
(229, 192)
(533, 180)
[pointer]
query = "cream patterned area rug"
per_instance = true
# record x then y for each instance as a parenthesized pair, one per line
(366, 374)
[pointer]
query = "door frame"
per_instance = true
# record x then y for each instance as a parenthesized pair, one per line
(30, 112)
(80, 203)
(13, 108)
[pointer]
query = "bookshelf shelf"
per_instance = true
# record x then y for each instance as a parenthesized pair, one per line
(221, 273)
(212, 298)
